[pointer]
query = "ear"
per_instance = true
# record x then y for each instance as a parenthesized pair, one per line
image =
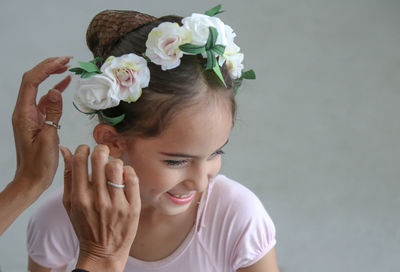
(107, 135)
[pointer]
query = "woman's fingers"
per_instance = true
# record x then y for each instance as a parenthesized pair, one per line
(63, 84)
(67, 155)
(114, 175)
(80, 176)
(53, 112)
(132, 192)
(35, 76)
(99, 160)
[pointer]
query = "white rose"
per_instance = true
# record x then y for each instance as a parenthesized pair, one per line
(163, 45)
(235, 66)
(198, 25)
(230, 50)
(131, 74)
(234, 60)
(97, 92)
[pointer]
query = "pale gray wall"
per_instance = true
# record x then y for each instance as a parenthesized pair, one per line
(318, 139)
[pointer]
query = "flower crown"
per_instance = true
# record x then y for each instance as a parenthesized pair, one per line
(122, 78)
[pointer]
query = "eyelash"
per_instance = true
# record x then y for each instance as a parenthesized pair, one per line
(182, 162)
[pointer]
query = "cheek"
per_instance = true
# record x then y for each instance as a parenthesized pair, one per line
(215, 167)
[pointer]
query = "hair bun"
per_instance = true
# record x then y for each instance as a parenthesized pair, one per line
(109, 26)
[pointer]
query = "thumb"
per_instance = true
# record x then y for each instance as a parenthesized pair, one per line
(53, 106)
(67, 155)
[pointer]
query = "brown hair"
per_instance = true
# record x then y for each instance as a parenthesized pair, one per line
(169, 91)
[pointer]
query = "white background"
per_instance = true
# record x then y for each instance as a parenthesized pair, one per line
(319, 130)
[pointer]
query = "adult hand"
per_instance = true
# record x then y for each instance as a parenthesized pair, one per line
(105, 218)
(36, 142)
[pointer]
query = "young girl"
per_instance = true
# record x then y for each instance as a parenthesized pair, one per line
(165, 98)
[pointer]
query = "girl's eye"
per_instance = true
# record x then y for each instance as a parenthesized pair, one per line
(175, 163)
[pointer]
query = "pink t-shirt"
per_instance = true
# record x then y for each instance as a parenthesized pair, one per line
(232, 231)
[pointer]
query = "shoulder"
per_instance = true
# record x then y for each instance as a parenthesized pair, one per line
(51, 240)
(235, 198)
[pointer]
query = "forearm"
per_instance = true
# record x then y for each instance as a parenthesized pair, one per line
(14, 199)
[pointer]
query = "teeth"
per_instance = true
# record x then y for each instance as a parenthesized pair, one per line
(181, 196)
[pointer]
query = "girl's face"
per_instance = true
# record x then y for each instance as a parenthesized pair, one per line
(175, 167)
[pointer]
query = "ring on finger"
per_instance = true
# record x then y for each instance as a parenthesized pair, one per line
(57, 126)
(121, 186)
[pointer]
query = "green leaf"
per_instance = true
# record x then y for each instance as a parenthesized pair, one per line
(211, 60)
(86, 74)
(77, 70)
(217, 70)
(212, 38)
(89, 67)
(219, 49)
(250, 74)
(112, 120)
(192, 48)
(214, 11)
(96, 60)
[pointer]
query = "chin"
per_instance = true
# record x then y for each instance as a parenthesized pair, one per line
(165, 206)
(168, 210)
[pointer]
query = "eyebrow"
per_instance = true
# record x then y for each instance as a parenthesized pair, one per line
(182, 155)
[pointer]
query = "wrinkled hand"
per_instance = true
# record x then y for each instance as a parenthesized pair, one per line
(105, 218)
(36, 142)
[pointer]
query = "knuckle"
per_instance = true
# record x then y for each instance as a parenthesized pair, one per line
(100, 151)
(114, 168)
(82, 149)
(49, 59)
(80, 204)
(26, 76)
(103, 205)
(130, 174)
(79, 159)
(116, 163)
(129, 170)
(102, 147)
(15, 118)
(121, 212)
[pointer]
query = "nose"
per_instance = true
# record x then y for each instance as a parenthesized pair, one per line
(199, 176)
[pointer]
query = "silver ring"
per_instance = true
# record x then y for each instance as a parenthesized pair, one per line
(52, 124)
(122, 186)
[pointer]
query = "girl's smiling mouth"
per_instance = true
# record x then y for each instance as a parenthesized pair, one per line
(181, 199)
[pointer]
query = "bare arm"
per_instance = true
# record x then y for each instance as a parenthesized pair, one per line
(36, 143)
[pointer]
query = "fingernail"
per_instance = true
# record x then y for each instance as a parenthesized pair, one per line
(52, 96)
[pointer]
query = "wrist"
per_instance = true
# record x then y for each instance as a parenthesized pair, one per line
(91, 262)
(25, 189)
(30, 183)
